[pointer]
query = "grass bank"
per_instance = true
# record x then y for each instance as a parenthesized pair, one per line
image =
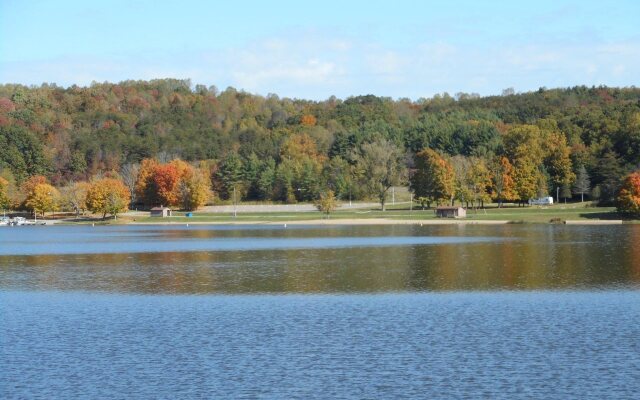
(399, 214)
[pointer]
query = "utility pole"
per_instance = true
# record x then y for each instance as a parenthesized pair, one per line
(393, 195)
(558, 194)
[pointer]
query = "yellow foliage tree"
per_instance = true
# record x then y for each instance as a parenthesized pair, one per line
(434, 177)
(327, 202)
(558, 160)
(42, 197)
(194, 188)
(524, 150)
(481, 181)
(300, 147)
(108, 196)
(5, 202)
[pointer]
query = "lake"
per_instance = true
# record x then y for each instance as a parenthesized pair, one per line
(509, 311)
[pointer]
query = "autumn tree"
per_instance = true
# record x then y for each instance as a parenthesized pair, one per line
(145, 172)
(42, 198)
(434, 178)
(503, 184)
(29, 185)
(327, 202)
(308, 120)
(193, 188)
(523, 148)
(558, 161)
(163, 185)
(299, 147)
(174, 184)
(480, 182)
(629, 196)
(5, 202)
(381, 166)
(108, 196)
(303, 164)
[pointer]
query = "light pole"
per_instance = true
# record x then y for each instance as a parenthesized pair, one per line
(235, 210)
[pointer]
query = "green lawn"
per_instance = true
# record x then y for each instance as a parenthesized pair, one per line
(534, 214)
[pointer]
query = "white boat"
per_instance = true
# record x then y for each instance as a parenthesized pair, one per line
(17, 221)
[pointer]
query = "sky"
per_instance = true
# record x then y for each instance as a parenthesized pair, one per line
(313, 50)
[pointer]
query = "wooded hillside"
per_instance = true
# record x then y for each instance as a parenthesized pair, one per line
(290, 149)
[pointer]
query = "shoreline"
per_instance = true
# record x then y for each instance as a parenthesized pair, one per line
(342, 221)
(381, 221)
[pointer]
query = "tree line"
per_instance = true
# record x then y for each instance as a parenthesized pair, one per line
(205, 145)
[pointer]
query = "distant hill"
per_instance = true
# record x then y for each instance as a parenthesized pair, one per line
(74, 133)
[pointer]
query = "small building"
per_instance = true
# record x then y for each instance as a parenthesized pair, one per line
(451, 212)
(160, 212)
(542, 201)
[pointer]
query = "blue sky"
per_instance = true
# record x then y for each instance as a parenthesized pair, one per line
(315, 50)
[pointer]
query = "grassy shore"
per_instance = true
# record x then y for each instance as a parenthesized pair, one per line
(399, 214)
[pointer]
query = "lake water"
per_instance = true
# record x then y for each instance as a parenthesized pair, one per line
(512, 311)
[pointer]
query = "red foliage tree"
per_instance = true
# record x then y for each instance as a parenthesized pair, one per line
(165, 179)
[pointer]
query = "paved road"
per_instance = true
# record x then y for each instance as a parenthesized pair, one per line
(282, 207)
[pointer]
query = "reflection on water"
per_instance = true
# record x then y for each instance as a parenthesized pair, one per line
(320, 259)
(97, 313)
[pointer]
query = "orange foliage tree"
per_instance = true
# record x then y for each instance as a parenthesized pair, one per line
(144, 175)
(629, 196)
(164, 183)
(503, 183)
(176, 184)
(308, 120)
(28, 185)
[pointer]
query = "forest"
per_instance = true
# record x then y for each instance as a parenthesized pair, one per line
(579, 143)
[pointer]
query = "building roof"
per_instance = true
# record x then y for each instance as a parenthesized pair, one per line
(448, 208)
(160, 208)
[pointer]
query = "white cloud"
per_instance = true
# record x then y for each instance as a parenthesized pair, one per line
(317, 66)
